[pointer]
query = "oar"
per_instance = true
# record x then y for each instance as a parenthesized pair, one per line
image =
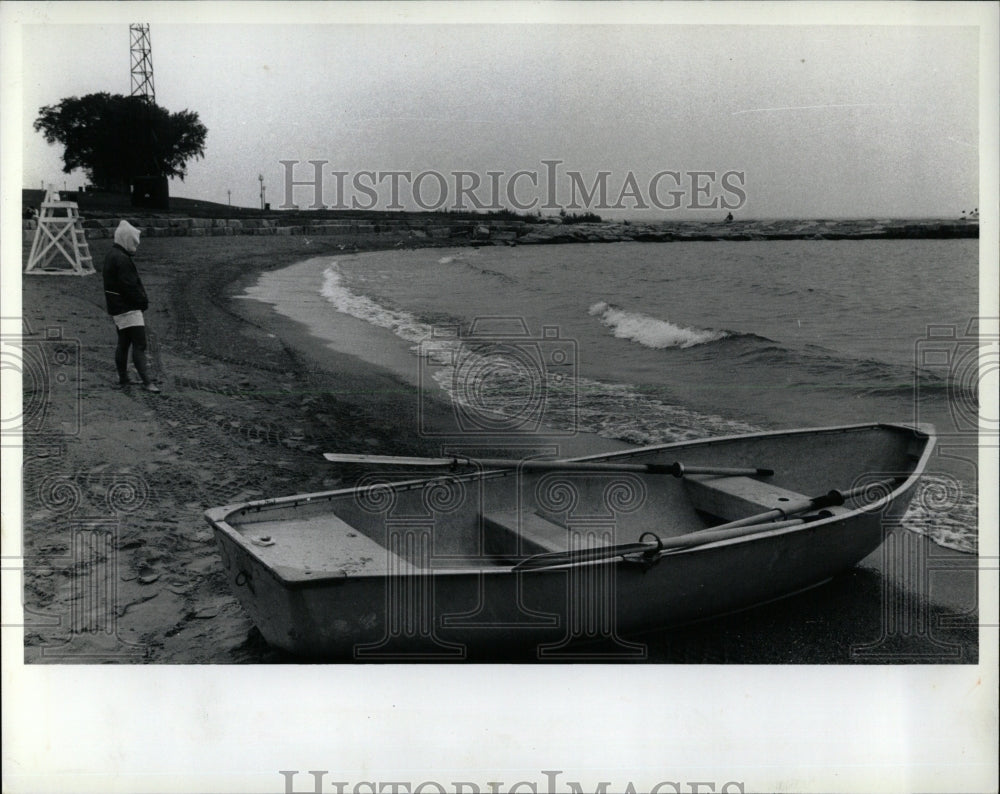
(761, 522)
(830, 499)
(676, 469)
(699, 538)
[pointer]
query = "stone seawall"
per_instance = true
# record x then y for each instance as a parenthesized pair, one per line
(492, 232)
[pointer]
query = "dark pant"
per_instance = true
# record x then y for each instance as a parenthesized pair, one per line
(134, 337)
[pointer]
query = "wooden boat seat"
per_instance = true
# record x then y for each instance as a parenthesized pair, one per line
(513, 535)
(732, 498)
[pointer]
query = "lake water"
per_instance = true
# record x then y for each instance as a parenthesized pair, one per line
(660, 342)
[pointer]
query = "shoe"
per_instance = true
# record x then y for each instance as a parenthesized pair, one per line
(152, 387)
(124, 384)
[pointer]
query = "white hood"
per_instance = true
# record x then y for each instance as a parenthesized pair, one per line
(127, 236)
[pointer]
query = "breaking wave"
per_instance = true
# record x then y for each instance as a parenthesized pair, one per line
(651, 332)
(403, 324)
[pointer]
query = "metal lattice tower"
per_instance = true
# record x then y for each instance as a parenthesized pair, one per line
(142, 63)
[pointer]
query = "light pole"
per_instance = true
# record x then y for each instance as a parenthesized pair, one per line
(229, 198)
(261, 178)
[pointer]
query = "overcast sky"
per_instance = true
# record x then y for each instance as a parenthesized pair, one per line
(823, 121)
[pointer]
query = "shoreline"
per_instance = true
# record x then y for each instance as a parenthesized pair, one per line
(311, 326)
(251, 400)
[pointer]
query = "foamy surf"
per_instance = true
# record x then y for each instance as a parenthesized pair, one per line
(944, 512)
(649, 331)
(473, 377)
(403, 324)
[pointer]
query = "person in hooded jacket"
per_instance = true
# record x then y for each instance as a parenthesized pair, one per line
(126, 299)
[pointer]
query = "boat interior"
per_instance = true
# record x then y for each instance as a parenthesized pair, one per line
(498, 519)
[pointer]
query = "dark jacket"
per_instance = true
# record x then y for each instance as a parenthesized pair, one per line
(123, 288)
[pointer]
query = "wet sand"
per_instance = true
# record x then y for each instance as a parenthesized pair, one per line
(120, 565)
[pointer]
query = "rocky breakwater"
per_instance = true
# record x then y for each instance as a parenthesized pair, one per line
(428, 230)
(445, 230)
(690, 231)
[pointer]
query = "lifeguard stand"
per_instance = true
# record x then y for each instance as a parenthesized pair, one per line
(60, 245)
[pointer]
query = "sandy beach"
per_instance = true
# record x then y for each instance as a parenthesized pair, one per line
(120, 565)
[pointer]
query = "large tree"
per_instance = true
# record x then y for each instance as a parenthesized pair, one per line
(116, 138)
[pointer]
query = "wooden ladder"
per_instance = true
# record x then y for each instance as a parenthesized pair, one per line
(60, 240)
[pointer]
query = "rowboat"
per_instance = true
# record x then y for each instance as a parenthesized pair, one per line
(553, 556)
